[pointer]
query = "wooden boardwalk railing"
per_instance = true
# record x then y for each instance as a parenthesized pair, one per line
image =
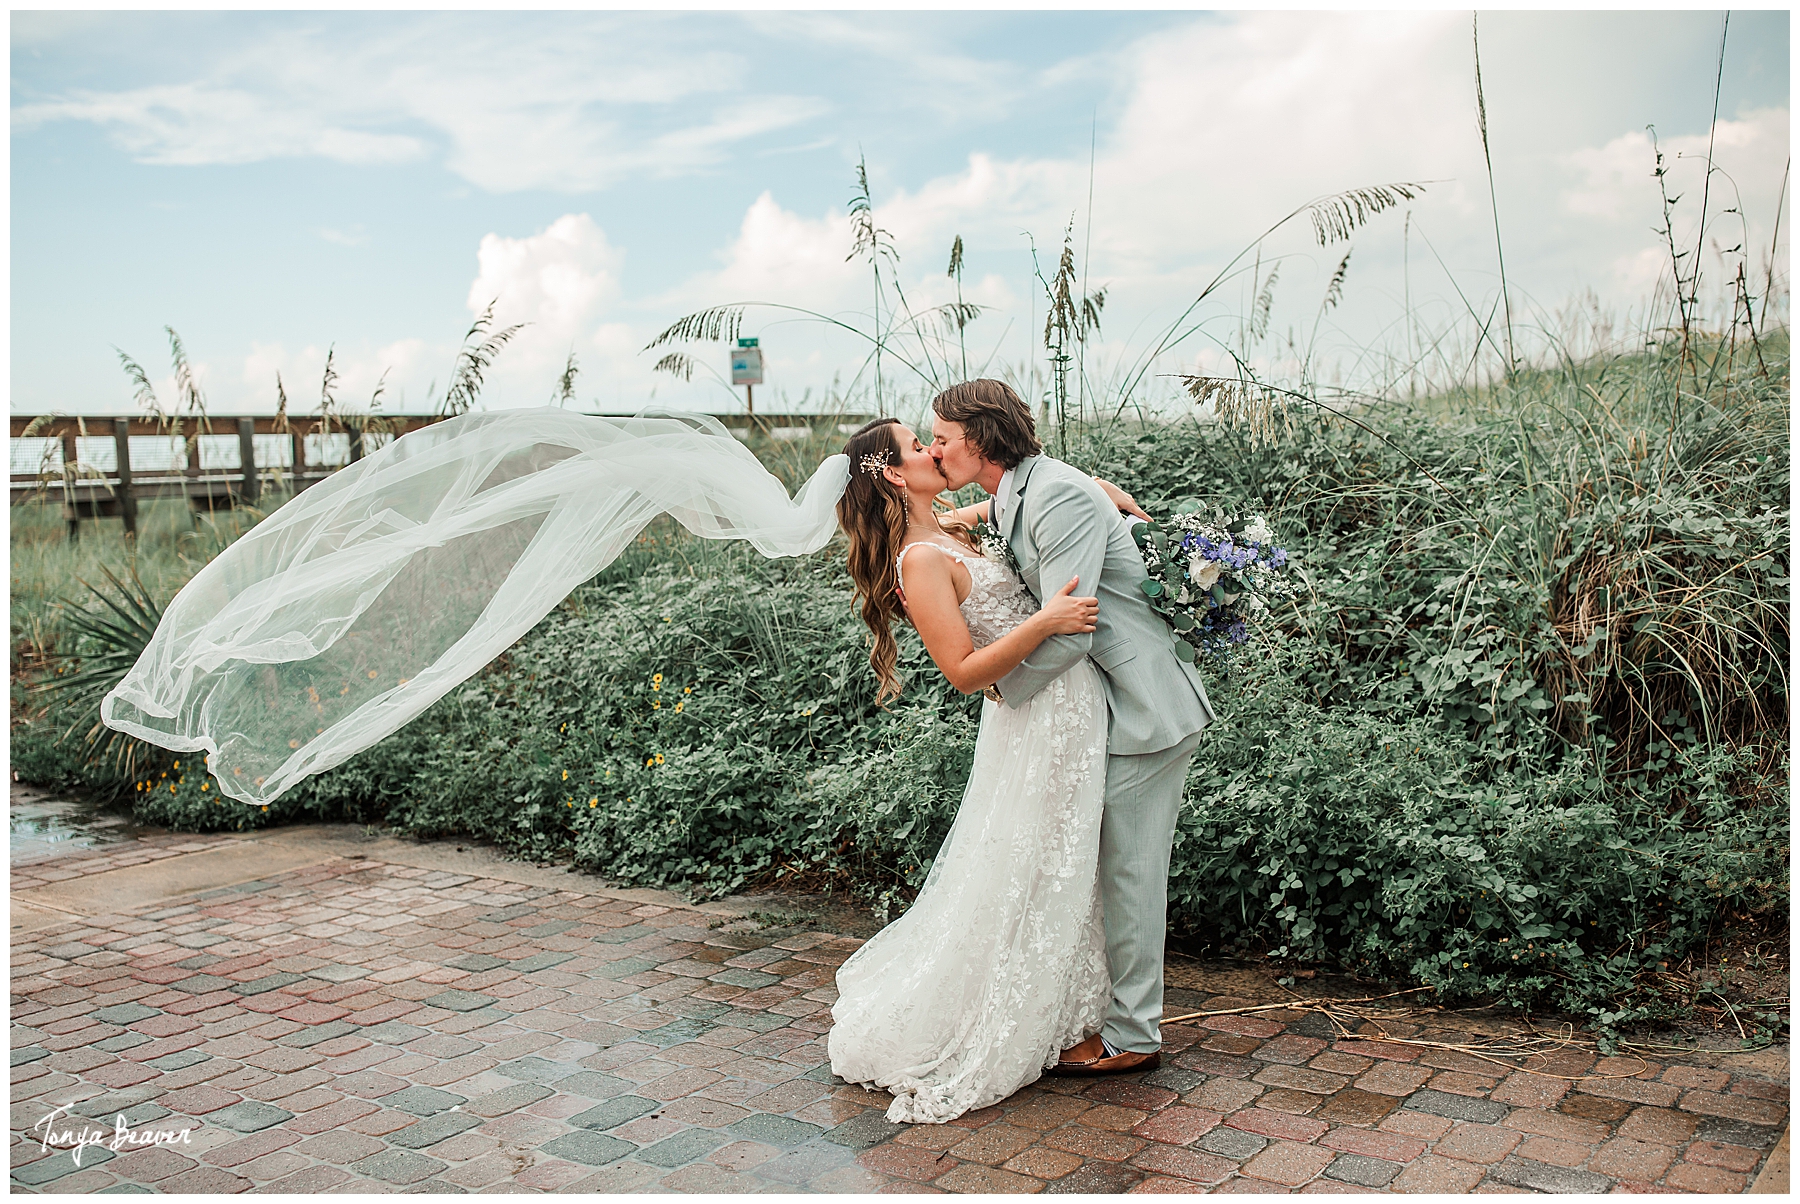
(89, 492)
(93, 493)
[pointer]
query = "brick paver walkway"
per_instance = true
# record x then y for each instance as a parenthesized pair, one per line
(368, 1026)
(58, 866)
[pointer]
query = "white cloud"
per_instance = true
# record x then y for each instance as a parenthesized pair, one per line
(194, 124)
(564, 284)
(1615, 181)
(556, 280)
(509, 105)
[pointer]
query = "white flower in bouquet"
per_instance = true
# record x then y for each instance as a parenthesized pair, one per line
(1203, 572)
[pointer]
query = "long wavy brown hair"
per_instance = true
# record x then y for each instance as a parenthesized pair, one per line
(873, 515)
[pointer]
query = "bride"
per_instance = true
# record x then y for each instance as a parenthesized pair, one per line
(1001, 962)
(359, 603)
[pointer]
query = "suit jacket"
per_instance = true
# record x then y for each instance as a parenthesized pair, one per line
(1059, 525)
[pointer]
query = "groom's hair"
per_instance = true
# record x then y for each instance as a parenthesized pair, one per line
(993, 418)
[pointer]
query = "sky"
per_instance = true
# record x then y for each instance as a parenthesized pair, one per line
(277, 185)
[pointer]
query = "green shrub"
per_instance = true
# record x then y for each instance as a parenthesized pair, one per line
(1346, 837)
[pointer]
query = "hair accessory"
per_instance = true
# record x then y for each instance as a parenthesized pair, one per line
(873, 463)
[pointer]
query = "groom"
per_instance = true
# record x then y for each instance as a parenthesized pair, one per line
(1060, 525)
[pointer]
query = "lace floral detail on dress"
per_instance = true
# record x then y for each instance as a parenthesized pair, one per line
(1000, 964)
(998, 600)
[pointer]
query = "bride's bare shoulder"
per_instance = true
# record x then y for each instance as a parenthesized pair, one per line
(936, 564)
(926, 557)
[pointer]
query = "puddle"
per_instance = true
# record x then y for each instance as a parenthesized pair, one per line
(45, 826)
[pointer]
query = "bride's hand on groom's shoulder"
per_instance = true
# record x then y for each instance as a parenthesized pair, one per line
(1124, 501)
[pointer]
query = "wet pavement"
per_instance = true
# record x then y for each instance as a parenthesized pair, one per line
(45, 826)
(377, 1020)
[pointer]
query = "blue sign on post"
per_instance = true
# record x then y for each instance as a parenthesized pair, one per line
(746, 370)
(746, 363)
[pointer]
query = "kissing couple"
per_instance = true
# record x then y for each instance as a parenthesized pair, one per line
(1037, 941)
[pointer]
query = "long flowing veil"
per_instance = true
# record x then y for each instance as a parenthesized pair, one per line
(362, 601)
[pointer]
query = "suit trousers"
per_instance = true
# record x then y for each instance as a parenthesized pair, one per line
(1137, 828)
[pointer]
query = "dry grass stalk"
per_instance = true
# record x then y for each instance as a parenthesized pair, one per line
(1508, 1051)
(473, 361)
(720, 324)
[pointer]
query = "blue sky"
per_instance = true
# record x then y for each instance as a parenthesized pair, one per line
(274, 184)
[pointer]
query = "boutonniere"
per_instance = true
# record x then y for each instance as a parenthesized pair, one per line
(993, 544)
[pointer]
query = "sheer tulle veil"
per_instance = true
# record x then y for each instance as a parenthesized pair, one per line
(356, 605)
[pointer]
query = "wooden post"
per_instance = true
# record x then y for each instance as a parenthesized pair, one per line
(252, 486)
(356, 446)
(127, 503)
(299, 437)
(69, 448)
(750, 400)
(192, 449)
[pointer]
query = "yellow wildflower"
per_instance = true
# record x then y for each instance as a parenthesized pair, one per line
(593, 802)
(565, 775)
(678, 708)
(372, 673)
(659, 758)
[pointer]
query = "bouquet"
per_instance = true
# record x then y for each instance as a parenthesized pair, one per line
(1212, 579)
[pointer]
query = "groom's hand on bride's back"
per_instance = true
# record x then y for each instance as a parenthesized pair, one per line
(1067, 614)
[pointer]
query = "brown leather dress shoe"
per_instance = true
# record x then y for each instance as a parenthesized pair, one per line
(1090, 1058)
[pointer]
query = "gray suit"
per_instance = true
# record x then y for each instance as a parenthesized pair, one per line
(1059, 525)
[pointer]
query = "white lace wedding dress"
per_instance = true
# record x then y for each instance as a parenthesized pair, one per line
(1001, 962)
